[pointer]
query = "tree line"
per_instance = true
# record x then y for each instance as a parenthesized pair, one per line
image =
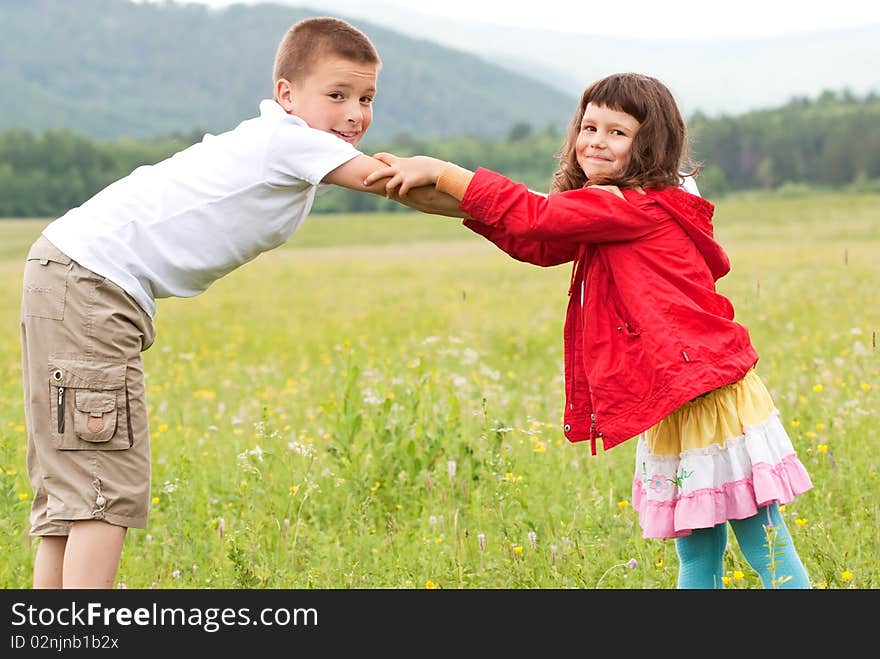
(831, 142)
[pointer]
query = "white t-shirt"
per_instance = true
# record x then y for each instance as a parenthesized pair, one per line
(173, 228)
(690, 185)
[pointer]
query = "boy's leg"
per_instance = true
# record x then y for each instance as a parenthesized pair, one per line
(91, 559)
(752, 538)
(701, 557)
(88, 459)
(49, 561)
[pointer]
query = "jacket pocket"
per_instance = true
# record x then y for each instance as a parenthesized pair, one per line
(88, 404)
(45, 282)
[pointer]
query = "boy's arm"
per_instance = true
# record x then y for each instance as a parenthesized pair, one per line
(426, 199)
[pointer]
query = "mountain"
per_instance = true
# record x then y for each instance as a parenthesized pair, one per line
(115, 68)
(712, 76)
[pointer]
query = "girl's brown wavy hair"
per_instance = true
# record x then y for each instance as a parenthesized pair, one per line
(660, 152)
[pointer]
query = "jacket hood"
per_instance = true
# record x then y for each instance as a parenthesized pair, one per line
(694, 214)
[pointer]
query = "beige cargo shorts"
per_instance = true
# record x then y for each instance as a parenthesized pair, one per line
(88, 453)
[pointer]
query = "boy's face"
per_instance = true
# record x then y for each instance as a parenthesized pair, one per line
(336, 96)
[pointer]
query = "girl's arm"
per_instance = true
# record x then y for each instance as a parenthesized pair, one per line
(587, 215)
(405, 175)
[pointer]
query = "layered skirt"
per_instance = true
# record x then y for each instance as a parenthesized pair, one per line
(718, 457)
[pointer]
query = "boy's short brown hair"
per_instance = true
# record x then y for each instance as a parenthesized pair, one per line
(312, 38)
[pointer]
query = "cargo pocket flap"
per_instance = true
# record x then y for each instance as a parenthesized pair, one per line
(95, 403)
(43, 251)
(86, 375)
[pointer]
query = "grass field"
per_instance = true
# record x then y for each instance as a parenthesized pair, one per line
(378, 404)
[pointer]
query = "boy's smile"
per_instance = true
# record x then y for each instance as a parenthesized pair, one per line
(336, 96)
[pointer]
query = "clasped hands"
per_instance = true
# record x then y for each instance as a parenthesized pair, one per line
(403, 174)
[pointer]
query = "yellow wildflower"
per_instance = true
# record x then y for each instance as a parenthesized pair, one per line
(822, 448)
(738, 575)
(846, 575)
(430, 585)
(800, 521)
(622, 504)
(817, 388)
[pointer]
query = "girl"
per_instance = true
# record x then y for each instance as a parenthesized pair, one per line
(651, 348)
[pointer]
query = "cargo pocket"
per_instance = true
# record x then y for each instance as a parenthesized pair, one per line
(88, 404)
(45, 282)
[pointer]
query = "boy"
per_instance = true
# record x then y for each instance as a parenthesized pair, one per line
(92, 279)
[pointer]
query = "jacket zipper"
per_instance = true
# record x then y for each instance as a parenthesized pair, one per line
(593, 434)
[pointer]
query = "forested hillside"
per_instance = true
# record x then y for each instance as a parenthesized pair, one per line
(830, 142)
(111, 68)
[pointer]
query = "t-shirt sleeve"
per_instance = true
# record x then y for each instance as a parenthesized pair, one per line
(690, 185)
(300, 153)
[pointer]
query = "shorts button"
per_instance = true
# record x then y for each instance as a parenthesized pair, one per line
(100, 501)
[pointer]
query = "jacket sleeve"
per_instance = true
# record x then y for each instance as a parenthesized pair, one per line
(577, 216)
(536, 252)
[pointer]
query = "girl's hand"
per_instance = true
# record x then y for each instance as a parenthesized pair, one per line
(404, 174)
(613, 189)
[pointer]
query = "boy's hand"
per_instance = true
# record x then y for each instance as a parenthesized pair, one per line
(403, 174)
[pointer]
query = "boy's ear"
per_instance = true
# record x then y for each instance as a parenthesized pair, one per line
(284, 94)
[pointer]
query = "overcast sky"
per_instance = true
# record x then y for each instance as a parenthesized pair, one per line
(637, 18)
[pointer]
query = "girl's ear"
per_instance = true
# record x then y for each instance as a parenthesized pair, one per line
(284, 94)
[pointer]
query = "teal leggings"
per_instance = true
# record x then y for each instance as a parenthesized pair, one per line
(701, 554)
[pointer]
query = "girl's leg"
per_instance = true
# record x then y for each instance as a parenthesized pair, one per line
(91, 559)
(752, 538)
(701, 557)
(49, 561)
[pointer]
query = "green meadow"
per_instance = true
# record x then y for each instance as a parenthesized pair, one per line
(378, 404)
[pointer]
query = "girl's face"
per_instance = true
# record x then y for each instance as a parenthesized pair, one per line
(604, 145)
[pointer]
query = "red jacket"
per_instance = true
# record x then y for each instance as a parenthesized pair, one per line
(645, 329)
